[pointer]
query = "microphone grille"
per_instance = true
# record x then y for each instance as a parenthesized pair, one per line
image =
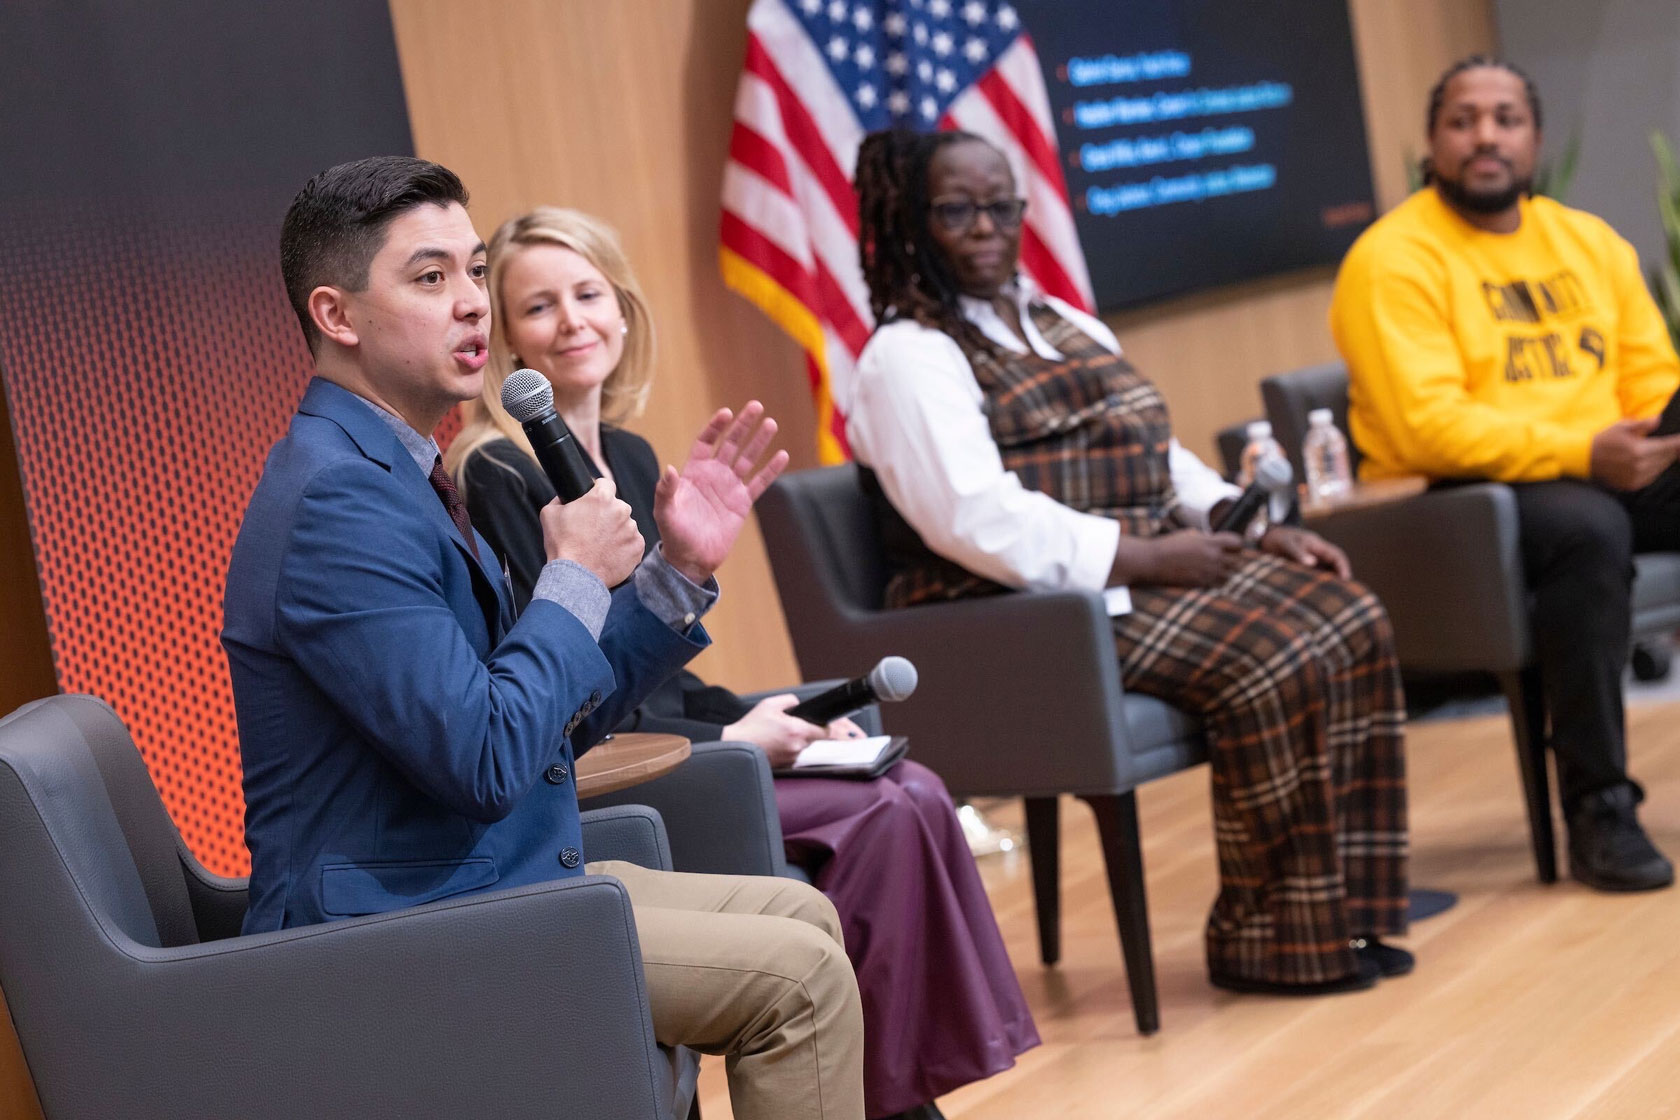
(1273, 472)
(893, 679)
(526, 394)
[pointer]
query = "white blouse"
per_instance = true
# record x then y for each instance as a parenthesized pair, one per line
(913, 414)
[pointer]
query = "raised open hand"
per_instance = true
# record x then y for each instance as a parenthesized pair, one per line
(701, 508)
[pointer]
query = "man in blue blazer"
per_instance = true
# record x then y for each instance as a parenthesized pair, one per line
(404, 739)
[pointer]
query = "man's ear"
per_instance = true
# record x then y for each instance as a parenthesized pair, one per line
(330, 311)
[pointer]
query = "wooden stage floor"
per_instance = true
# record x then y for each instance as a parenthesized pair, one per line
(1530, 1002)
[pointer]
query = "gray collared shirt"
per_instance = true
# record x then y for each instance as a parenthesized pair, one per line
(672, 597)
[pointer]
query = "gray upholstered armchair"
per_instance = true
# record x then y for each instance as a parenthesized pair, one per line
(1446, 565)
(1019, 696)
(134, 997)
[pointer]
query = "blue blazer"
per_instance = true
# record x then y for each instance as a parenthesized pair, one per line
(403, 738)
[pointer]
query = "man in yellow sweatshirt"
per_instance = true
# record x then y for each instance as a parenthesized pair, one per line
(1491, 335)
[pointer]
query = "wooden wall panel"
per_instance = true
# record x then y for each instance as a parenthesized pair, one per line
(623, 109)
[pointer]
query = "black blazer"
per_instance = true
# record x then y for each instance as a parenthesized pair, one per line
(504, 489)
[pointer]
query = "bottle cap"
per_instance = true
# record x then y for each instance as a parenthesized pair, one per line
(1259, 429)
(1321, 416)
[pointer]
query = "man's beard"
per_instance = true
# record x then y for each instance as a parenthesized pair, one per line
(1483, 202)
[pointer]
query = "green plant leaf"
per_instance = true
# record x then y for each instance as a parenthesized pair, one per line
(1414, 171)
(1668, 170)
(1555, 179)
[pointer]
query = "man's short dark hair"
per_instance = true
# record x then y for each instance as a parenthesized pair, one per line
(1438, 94)
(336, 224)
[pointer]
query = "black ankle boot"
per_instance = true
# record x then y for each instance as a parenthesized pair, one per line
(1365, 975)
(1391, 960)
(1607, 848)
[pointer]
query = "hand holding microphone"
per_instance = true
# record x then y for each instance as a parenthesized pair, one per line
(1191, 558)
(781, 736)
(529, 399)
(893, 678)
(783, 726)
(588, 525)
(595, 531)
(1272, 475)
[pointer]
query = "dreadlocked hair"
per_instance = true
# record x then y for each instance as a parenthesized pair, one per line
(1438, 94)
(906, 271)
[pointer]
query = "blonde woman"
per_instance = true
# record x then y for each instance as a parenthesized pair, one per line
(941, 1004)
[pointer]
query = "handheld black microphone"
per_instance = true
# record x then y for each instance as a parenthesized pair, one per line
(1271, 475)
(529, 399)
(893, 678)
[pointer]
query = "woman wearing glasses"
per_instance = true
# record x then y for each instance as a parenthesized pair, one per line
(941, 1005)
(1011, 446)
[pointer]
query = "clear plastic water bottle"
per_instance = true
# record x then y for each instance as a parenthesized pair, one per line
(1260, 445)
(1324, 454)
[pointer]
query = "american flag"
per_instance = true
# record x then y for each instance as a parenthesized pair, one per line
(819, 75)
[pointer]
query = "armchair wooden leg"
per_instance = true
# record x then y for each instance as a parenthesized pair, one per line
(1044, 840)
(1528, 726)
(1117, 824)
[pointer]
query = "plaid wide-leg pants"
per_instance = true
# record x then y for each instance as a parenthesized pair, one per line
(1293, 673)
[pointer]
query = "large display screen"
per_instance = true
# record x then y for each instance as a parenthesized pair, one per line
(1205, 141)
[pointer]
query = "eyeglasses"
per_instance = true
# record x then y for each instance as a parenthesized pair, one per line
(958, 215)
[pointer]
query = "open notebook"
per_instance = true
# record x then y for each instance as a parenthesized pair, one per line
(848, 758)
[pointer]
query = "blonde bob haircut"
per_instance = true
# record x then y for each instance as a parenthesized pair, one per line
(625, 391)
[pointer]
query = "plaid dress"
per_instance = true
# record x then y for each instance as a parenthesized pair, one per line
(1291, 669)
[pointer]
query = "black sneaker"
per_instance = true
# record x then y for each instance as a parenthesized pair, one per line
(1607, 848)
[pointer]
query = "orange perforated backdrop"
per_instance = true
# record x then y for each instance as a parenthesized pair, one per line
(149, 355)
(149, 368)
(149, 372)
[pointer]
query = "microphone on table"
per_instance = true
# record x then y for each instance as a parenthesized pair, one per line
(529, 399)
(894, 678)
(1272, 475)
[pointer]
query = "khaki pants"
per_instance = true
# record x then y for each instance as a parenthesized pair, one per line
(752, 967)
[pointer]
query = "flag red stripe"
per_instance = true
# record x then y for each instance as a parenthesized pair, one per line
(804, 136)
(1047, 270)
(837, 427)
(816, 288)
(758, 249)
(813, 374)
(1020, 122)
(836, 422)
(761, 157)
(836, 309)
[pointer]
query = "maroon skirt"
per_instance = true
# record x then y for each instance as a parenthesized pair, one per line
(941, 1006)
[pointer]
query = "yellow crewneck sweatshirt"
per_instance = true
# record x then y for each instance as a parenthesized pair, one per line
(1488, 355)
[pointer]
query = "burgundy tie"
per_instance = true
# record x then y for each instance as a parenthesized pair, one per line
(451, 497)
